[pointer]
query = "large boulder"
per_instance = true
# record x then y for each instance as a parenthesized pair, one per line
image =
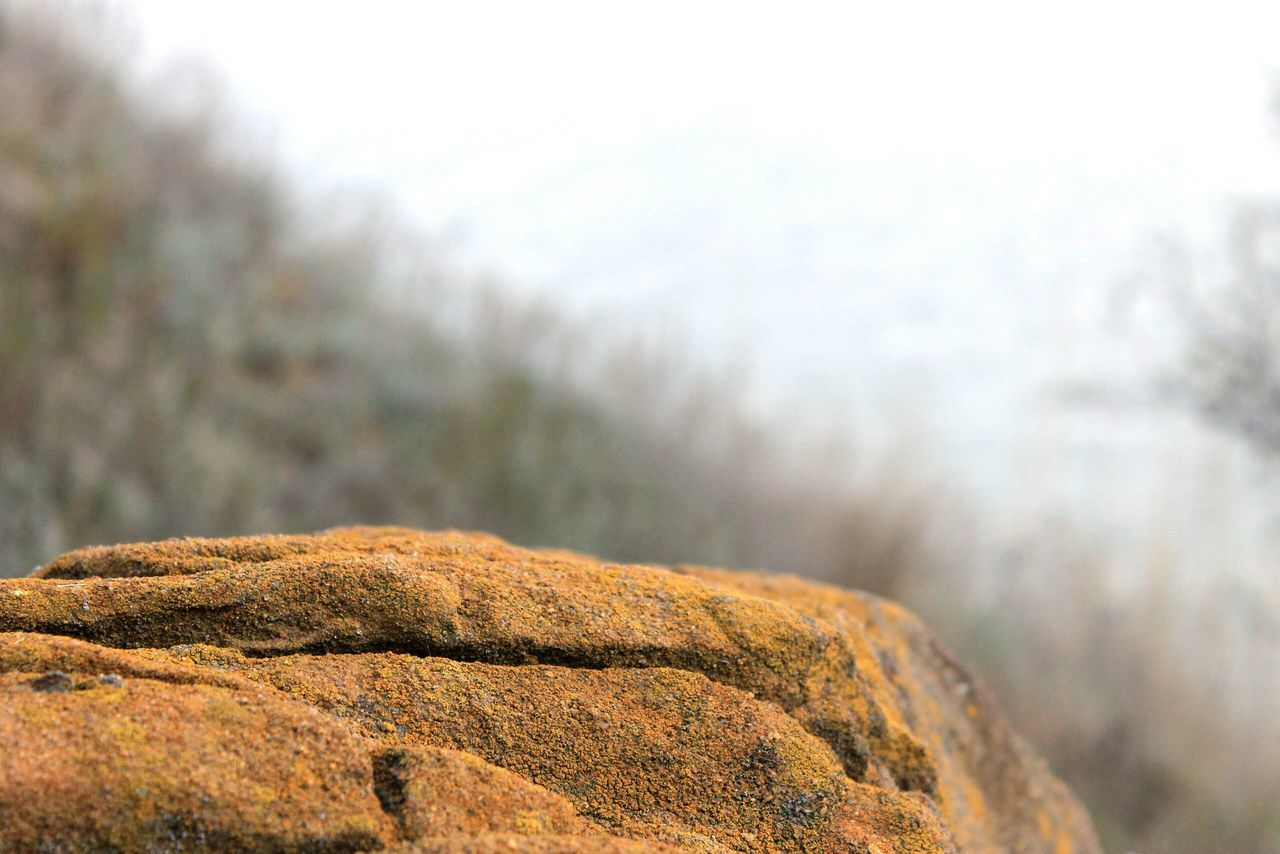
(369, 688)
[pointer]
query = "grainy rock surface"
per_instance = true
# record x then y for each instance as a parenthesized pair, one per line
(380, 688)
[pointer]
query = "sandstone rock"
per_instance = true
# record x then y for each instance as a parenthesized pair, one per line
(156, 766)
(488, 696)
(505, 844)
(433, 793)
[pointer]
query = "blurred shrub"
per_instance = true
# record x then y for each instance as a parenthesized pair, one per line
(1154, 697)
(187, 350)
(1232, 322)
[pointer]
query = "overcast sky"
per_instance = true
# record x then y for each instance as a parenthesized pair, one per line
(1097, 83)
(903, 210)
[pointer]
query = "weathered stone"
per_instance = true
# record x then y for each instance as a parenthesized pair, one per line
(507, 843)
(489, 690)
(432, 792)
(154, 766)
(995, 792)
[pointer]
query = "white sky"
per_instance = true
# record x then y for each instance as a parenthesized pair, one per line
(1105, 86)
(896, 207)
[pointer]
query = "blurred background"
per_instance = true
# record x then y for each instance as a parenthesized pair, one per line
(974, 306)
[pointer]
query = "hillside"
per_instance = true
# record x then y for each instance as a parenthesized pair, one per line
(190, 349)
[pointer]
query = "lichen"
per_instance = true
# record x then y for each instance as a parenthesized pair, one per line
(484, 693)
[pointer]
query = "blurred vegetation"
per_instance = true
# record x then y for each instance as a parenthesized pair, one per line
(188, 347)
(188, 350)
(1233, 370)
(1157, 703)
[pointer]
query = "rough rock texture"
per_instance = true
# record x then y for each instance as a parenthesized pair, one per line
(372, 688)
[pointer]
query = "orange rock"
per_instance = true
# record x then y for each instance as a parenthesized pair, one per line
(88, 765)
(699, 708)
(505, 844)
(432, 792)
(585, 734)
(994, 791)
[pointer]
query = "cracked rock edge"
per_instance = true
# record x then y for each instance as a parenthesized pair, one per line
(451, 692)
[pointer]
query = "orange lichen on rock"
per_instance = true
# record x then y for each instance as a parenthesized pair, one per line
(433, 792)
(788, 788)
(993, 790)
(507, 843)
(492, 696)
(93, 764)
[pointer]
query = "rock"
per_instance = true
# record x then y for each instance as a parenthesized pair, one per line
(159, 766)
(54, 680)
(991, 785)
(433, 792)
(506, 843)
(789, 789)
(491, 696)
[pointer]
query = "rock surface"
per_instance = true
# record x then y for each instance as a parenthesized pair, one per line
(383, 688)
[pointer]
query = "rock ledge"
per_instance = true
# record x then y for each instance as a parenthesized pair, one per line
(385, 688)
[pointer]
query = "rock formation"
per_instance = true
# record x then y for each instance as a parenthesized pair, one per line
(379, 688)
